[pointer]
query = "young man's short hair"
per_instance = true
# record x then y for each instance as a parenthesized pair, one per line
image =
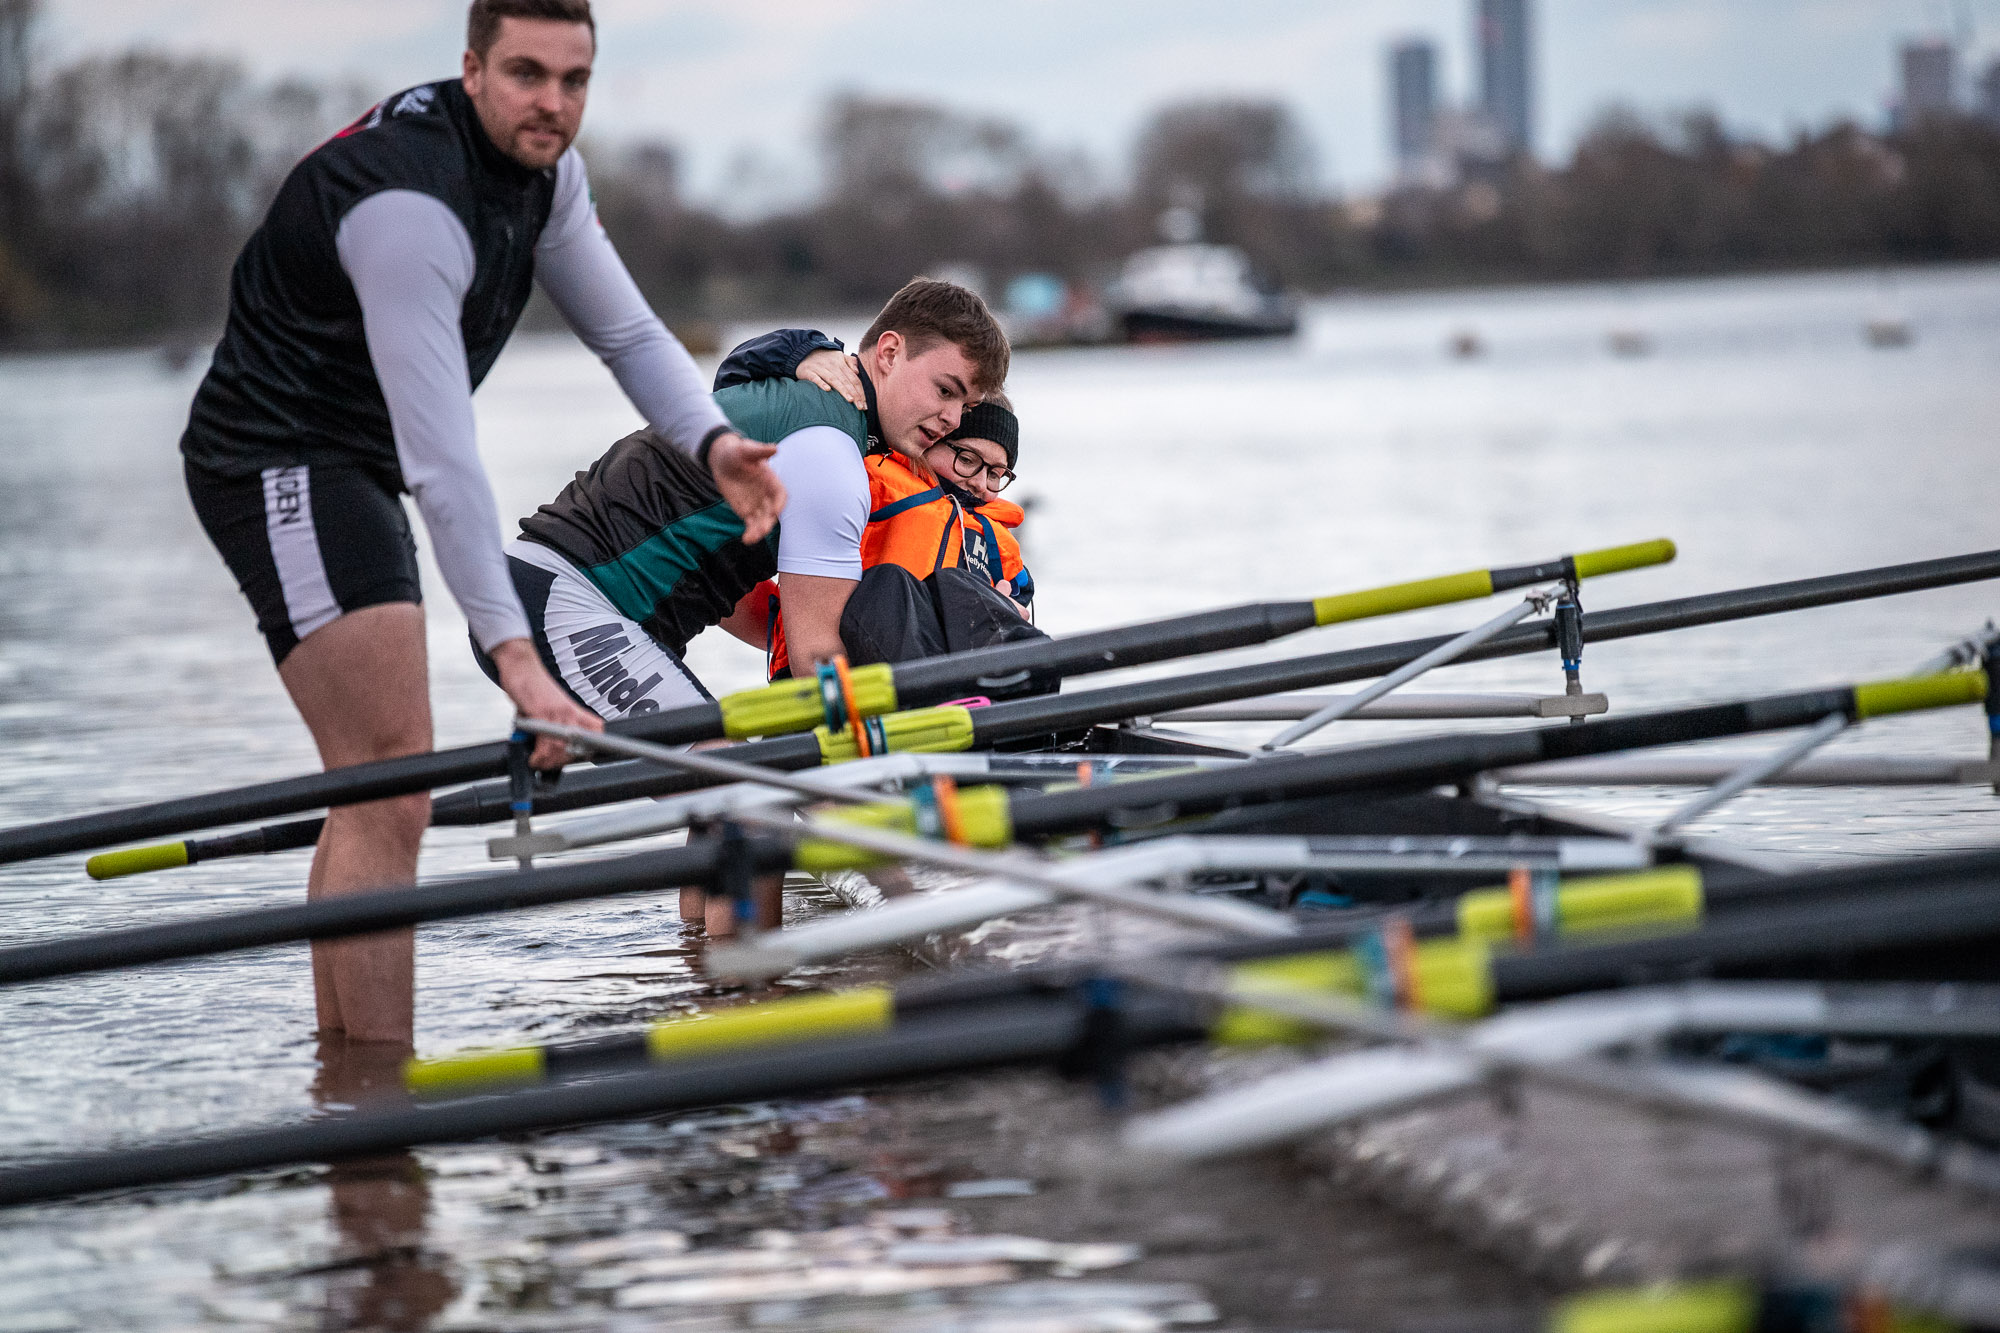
(482, 21)
(929, 311)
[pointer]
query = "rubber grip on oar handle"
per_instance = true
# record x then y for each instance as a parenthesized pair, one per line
(469, 1070)
(984, 813)
(944, 730)
(137, 860)
(1613, 559)
(1396, 597)
(1881, 697)
(1453, 978)
(793, 705)
(1670, 896)
(842, 1013)
(1726, 1306)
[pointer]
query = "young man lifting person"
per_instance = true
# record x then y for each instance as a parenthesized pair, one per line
(640, 553)
(942, 511)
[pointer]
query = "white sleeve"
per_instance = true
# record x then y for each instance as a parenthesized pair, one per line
(583, 275)
(411, 264)
(826, 503)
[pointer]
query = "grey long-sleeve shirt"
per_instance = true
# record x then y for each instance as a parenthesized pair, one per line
(411, 264)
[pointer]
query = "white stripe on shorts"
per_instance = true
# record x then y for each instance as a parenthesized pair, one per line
(614, 666)
(288, 522)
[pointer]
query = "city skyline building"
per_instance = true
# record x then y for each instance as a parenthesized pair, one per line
(1413, 96)
(1928, 70)
(1506, 88)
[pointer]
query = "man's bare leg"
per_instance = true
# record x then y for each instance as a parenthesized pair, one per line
(362, 685)
(694, 904)
(720, 917)
(767, 898)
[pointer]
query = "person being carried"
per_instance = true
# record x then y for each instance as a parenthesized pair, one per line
(926, 515)
(640, 553)
(385, 279)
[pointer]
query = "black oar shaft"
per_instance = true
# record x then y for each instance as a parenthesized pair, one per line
(490, 802)
(1056, 713)
(917, 683)
(387, 909)
(265, 841)
(1737, 905)
(1021, 1031)
(937, 679)
(1399, 764)
(605, 784)
(342, 786)
(1023, 718)
(984, 1021)
(1144, 802)
(1935, 906)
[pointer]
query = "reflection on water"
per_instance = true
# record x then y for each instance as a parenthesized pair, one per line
(380, 1205)
(1761, 432)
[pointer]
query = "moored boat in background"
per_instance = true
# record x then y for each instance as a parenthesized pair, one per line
(1197, 292)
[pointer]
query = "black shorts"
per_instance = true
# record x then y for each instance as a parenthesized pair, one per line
(308, 544)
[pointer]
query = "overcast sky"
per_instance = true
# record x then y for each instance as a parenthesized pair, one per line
(745, 79)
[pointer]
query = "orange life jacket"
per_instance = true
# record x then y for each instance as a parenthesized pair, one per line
(913, 523)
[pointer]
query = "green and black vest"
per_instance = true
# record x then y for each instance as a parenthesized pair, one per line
(646, 525)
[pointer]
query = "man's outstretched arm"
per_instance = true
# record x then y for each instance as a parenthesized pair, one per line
(411, 264)
(588, 282)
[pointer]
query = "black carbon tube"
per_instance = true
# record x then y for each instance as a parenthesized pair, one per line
(1021, 1031)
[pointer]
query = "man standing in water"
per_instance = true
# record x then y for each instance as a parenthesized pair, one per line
(384, 282)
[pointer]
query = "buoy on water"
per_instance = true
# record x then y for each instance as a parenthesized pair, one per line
(1629, 342)
(1889, 331)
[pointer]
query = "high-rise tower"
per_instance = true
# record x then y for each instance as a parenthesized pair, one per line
(1414, 98)
(1928, 69)
(1506, 93)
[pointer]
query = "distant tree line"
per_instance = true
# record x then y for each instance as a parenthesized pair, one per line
(128, 183)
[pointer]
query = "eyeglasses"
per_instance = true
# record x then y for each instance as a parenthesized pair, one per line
(968, 464)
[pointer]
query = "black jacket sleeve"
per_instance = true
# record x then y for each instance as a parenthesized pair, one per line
(774, 356)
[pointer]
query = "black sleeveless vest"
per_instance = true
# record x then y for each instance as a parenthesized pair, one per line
(291, 382)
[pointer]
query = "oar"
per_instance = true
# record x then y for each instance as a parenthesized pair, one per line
(1668, 897)
(800, 705)
(993, 818)
(1958, 1290)
(1600, 908)
(1606, 903)
(1024, 867)
(919, 731)
(1948, 898)
(1027, 718)
(1149, 802)
(1127, 806)
(1023, 1031)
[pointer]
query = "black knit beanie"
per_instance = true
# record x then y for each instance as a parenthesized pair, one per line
(990, 421)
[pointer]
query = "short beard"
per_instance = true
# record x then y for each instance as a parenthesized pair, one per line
(519, 155)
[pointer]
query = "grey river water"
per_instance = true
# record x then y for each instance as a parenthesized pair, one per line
(1760, 432)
